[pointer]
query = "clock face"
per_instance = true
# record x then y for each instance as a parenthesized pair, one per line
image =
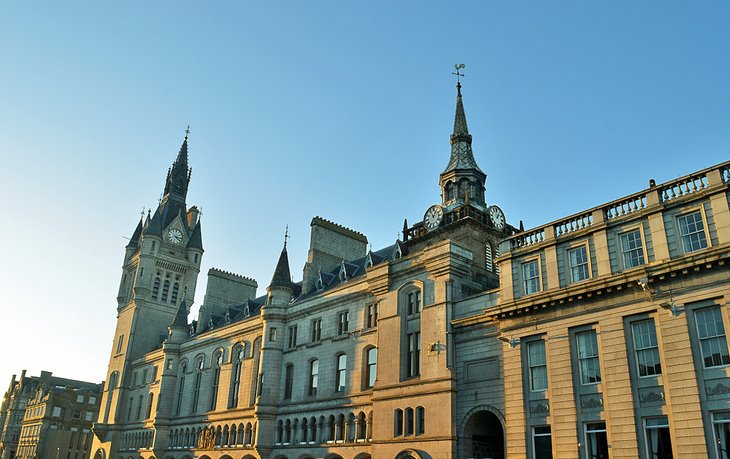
(433, 217)
(175, 236)
(497, 217)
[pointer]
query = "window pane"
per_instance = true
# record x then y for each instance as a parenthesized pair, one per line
(711, 332)
(692, 231)
(631, 246)
(658, 439)
(646, 348)
(589, 363)
(578, 264)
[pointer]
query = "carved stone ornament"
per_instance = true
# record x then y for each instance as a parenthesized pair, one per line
(540, 408)
(592, 403)
(652, 397)
(718, 389)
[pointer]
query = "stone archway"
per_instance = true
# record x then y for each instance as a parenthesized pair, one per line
(483, 436)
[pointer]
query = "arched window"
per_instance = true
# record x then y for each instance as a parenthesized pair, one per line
(313, 377)
(249, 433)
(175, 290)
(288, 381)
(420, 420)
(305, 431)
(287, 432)
(165, 290)
(488, 257)
(181, 389)
(279, 432)
(139, 407)
(371, 371)
(398, 422)
(150, 401)
(362, 427)
(217, 361)
(200, 363)
(341, 375)
(129, 409)
(156, 288)
(238, 355)
(449, 191)
(409, 421)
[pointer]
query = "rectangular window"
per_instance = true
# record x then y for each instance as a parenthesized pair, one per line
(646, 348)
(587, 346)
(531, 276)
(292, 337)
(578, 264)
(343, 322)
(119, 343)
(313, 376)
(711, 333)
(596, 441)
(56, 412)
(414, 302)
(413, 361)
(92, 400)
(658, 440)
(537, 364)
(372, 318)
(721, 425)
(288, 382)
(542, 444)
(80, 399)
(154, 374)
(692, 232)
(420, 420)
(341, 376)
(272, 334)
(144, 376)
(632, 249)
(316, 330)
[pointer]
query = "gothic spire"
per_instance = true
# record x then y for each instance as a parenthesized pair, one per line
(178, 176)
(462, 156)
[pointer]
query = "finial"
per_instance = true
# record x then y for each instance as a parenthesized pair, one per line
(142, 213)
(458, 74)
(187, 132)
(286, 235)
(370, 247)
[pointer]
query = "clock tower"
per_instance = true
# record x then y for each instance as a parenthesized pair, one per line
(159, 273)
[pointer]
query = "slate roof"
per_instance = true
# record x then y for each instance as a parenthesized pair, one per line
(282, 275)
(462, 156)
(196, 239)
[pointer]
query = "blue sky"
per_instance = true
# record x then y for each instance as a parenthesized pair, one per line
(337, 109)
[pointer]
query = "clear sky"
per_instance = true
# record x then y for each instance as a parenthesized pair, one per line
(337, 109)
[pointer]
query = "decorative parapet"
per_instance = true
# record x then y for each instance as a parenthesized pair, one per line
(630, 205)
(683, 187)
(573, 224)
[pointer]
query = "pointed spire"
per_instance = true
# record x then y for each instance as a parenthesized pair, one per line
(462, 156)
(178, 176)
(282, 275)
(460, 127)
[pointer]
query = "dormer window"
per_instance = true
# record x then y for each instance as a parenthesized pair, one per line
(318, 284)
(343, 272)
(369, 260)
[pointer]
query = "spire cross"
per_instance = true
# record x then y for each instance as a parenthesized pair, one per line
(286, 235)
(187, 132)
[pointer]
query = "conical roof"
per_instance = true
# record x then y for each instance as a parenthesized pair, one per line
(282, 275)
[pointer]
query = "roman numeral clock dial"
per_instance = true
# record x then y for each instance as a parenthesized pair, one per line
(433, 216)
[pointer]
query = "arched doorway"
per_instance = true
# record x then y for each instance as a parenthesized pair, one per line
(484, 436)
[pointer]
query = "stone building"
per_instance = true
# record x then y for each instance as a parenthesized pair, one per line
(468, 337)
(48, 417)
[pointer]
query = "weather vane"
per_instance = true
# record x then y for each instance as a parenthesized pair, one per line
(286, 235)
(187, 131)
(458, 73)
